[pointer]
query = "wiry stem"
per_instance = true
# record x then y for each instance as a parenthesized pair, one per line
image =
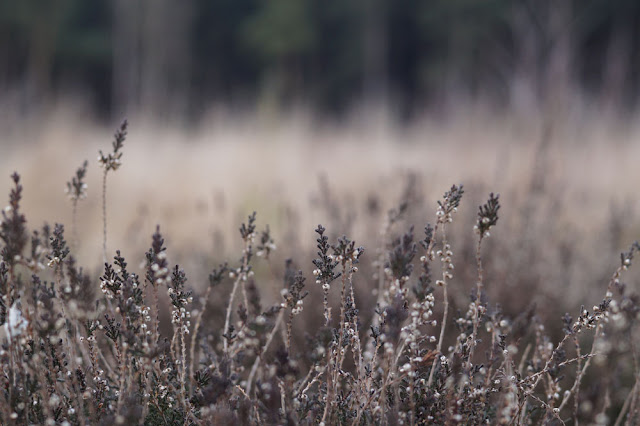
(196, 328)
(156, 324)
(256, 362)
(227, 320)
(183, 368)
(74, 224)
(104, 216)
(476, 314)
(445, 314)
(242, 276)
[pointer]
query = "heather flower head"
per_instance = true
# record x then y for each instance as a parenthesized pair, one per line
(627, 257)
(325, 263)
(13, 232)
(59, 249)
(111, 161)
(111, 328)
(76, 187)
(179, 296)
(156, 258)
(218, 274)
(346, 251)
(487, 215)
(401, 256)
(293, 294)
(266, 244)
(110, 282)
(449, 204)
(248, 229)
(423, 286)
(79, 286)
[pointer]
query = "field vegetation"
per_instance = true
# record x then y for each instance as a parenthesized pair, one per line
(448, 272)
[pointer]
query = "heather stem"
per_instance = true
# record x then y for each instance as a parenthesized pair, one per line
(104, 216)
(256, 362)
(444, 316)
(192, 349)
(476, 314)
(227, 320)
(74, 225)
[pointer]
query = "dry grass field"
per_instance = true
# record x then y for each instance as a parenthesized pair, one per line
(216, 173)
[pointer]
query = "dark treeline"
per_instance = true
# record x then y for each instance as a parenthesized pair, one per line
(181, 57)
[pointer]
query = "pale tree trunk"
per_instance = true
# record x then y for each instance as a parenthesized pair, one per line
(524, 84)
(616, 69)
(44, 30)
(165, 57)
(543, 73)
(126, 56)
(375, 79)
(151, 57)
(558, 85)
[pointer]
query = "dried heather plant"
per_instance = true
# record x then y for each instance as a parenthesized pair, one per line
(387, 347)
(108, 162)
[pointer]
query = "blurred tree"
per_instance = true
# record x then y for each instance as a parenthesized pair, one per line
(34, 25)
(281, 32)
(152, 56)
(83, 54)
(225, 69)
(375, 47)
(466, 48)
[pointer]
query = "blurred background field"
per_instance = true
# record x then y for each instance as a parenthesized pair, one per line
(333, 112)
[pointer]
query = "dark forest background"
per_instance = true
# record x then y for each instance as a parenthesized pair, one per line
(180, 58)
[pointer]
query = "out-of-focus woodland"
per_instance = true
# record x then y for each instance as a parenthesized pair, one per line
(179, 59)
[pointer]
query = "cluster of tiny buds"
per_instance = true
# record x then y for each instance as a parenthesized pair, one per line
(146, 318)
(446, 258)
(476, 228)
(502, 326)
(109, 162)
(408, 369)
(424, 259)
(268, 247)
(396, 288)
(104, 287)
(161, 273)
(590, 321)
(291, 301)
(326, 286)
(77, 193)
(181, 317)
(443, 216)
(91, 339)
(389, 348)
(239, 272)
(298, 309)
(33, 264)
(251, 238)
(355, 254)
(53, 262)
